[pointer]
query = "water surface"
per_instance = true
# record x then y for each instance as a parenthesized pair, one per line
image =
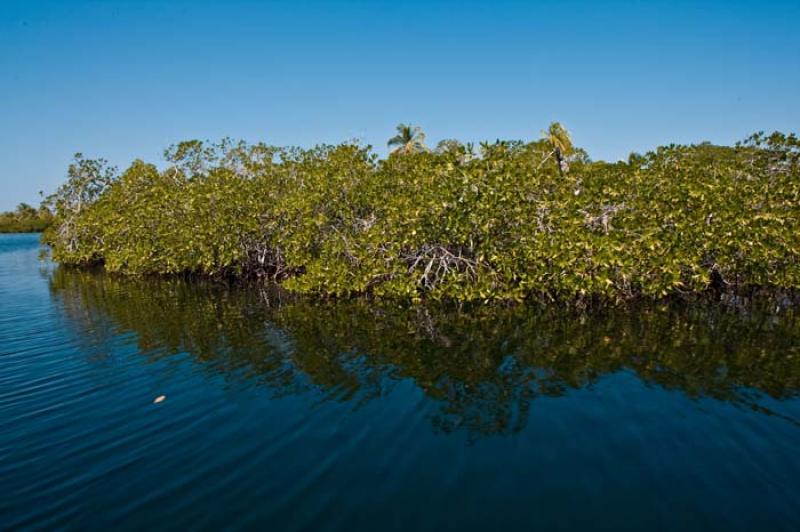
(293, 415)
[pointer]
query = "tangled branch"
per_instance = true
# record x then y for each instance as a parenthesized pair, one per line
(437, 262)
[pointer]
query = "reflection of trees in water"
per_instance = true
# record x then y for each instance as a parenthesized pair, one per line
(483, 365)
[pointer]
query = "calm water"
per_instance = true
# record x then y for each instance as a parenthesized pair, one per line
(351, 416)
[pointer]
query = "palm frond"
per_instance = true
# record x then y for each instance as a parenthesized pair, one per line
(409, 139)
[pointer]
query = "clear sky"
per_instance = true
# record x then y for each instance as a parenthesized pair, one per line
(123, 80)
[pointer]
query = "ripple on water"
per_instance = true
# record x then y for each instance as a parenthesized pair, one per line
(347, 416)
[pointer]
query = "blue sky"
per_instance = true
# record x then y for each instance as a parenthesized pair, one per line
(123, 80)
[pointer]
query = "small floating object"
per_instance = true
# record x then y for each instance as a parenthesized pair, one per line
(159, 399)
(606, 339)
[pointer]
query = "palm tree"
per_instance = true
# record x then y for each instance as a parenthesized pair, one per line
(558, 138)
(409, 139)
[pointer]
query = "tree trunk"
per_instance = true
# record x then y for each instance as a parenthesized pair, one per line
(559, 160)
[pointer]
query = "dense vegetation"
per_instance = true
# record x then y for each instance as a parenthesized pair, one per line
(25, 219)
(509, 221)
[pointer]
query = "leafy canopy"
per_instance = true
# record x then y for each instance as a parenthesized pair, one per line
(500, 224)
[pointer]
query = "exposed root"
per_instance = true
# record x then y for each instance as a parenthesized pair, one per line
(432, 263)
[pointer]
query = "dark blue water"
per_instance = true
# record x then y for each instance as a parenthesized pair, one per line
(291, 415)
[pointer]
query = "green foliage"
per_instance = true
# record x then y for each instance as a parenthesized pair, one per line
(25, 219)
(450, 224)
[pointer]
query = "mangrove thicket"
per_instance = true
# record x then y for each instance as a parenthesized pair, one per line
(505, 220)
(25, 219)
